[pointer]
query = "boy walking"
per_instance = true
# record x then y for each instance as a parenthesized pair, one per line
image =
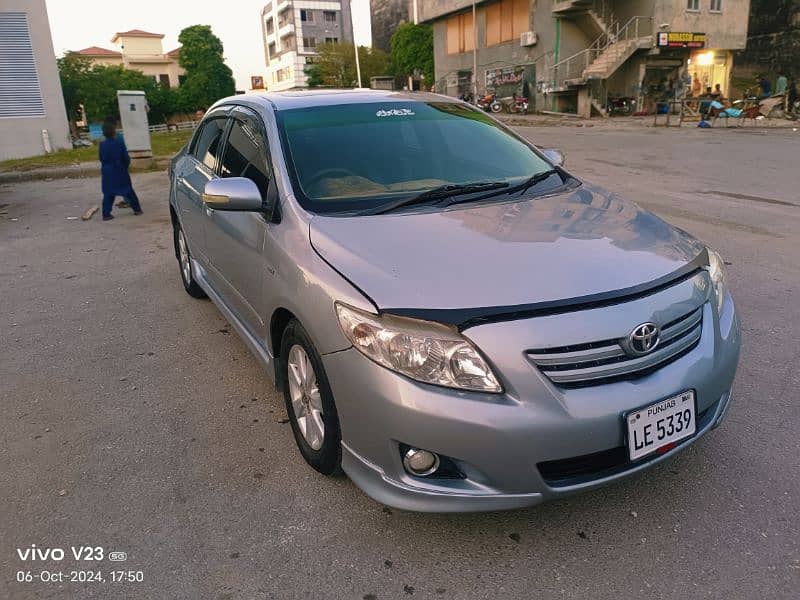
(116, 180)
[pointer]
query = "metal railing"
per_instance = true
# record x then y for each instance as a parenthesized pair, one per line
(181, 126)
(573, 67)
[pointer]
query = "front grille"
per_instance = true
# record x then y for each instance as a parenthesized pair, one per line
(591, 467)
(594, 363)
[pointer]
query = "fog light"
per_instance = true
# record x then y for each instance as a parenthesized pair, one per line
(420, 462)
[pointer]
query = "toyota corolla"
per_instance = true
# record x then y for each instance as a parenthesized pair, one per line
(454, 319)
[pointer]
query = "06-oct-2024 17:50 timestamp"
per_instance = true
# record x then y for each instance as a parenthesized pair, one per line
(78, 576)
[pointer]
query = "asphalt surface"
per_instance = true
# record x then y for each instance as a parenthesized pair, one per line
(133, 418)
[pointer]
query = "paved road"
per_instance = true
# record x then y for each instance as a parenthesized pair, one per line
(133, 420)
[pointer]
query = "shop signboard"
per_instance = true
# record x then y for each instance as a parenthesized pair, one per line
(681, 39)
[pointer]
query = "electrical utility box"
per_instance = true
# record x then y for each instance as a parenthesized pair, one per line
(136, 129)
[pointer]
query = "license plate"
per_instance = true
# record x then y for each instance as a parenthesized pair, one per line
(665, 422)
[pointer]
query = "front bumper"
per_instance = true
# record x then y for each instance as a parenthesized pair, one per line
(499, 441)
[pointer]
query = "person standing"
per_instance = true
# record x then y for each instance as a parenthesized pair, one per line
(697, 87)
(781, 84)
(115, 178)
(791, 95)
(766, 87)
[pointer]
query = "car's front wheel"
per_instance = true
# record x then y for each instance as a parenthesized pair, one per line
(309, 402)
(185, 262)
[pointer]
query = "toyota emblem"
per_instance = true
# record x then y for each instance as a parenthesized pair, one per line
(643, 339)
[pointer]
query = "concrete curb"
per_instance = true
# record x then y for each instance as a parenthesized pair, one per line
(81, 171)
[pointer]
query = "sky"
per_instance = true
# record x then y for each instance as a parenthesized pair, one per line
(78, 24)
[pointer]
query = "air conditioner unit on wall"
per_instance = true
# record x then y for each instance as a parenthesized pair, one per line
(528, 38)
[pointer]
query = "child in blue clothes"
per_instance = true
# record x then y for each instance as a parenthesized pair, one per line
(116, 181)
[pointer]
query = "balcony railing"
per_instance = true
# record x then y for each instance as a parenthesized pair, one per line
(285, 29)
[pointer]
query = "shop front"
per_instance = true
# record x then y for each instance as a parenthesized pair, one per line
(709, 69)
(706, 68)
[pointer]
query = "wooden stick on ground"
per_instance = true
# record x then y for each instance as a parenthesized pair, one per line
(90, 213)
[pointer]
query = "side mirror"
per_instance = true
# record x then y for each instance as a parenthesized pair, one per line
(233, 193)
(554, 156)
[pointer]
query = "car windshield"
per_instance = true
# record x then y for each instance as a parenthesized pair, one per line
(359, 156)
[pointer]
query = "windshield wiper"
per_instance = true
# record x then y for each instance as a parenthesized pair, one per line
(538, 178)
(520, 187)
(443, 191)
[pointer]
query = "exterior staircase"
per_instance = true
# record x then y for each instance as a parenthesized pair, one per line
(614, 56)
(605, 55)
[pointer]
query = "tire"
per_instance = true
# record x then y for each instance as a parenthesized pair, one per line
(185, 263)
(496, 107)
(320, 446)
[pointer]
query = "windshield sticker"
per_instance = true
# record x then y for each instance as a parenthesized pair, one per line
(395, 112)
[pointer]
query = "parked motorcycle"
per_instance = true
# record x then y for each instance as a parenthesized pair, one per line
(516, 104)
(621, 105)
(489, 103)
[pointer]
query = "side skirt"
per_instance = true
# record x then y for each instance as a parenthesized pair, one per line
(257, 348)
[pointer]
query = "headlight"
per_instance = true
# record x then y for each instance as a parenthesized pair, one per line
(422, 350)
(716, 269)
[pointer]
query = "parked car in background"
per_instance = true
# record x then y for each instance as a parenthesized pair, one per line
(457, 330)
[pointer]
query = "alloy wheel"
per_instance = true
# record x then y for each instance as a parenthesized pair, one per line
(183, 256)
(305, 396)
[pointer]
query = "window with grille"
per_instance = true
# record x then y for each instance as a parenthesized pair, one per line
(330, 16)
(20, 92)
(306, 15)
(309, 42)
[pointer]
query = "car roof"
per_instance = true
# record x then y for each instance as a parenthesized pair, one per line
(311, 98)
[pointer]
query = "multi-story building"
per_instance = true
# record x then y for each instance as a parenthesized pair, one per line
(571, 55)
(387, 16)
(292, 29)
(33, 119)
(141, 51)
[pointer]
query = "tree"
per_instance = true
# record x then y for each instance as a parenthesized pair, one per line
(412, 50)
(99, 89)
(335, 65)
(73, 69)
(93, 89)
(208, 78)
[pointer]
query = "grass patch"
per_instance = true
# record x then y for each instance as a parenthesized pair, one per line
(165, 145)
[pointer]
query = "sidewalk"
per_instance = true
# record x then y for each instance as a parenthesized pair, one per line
(545, 120)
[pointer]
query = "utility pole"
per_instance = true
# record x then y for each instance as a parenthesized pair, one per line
(355, 45)
(474, 54)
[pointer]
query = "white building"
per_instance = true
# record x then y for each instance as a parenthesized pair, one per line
(33, 119)
(291, 31)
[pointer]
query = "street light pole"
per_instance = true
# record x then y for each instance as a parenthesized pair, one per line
(355, 45)
(474, 54)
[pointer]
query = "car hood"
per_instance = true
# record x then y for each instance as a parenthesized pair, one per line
(570, 246)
